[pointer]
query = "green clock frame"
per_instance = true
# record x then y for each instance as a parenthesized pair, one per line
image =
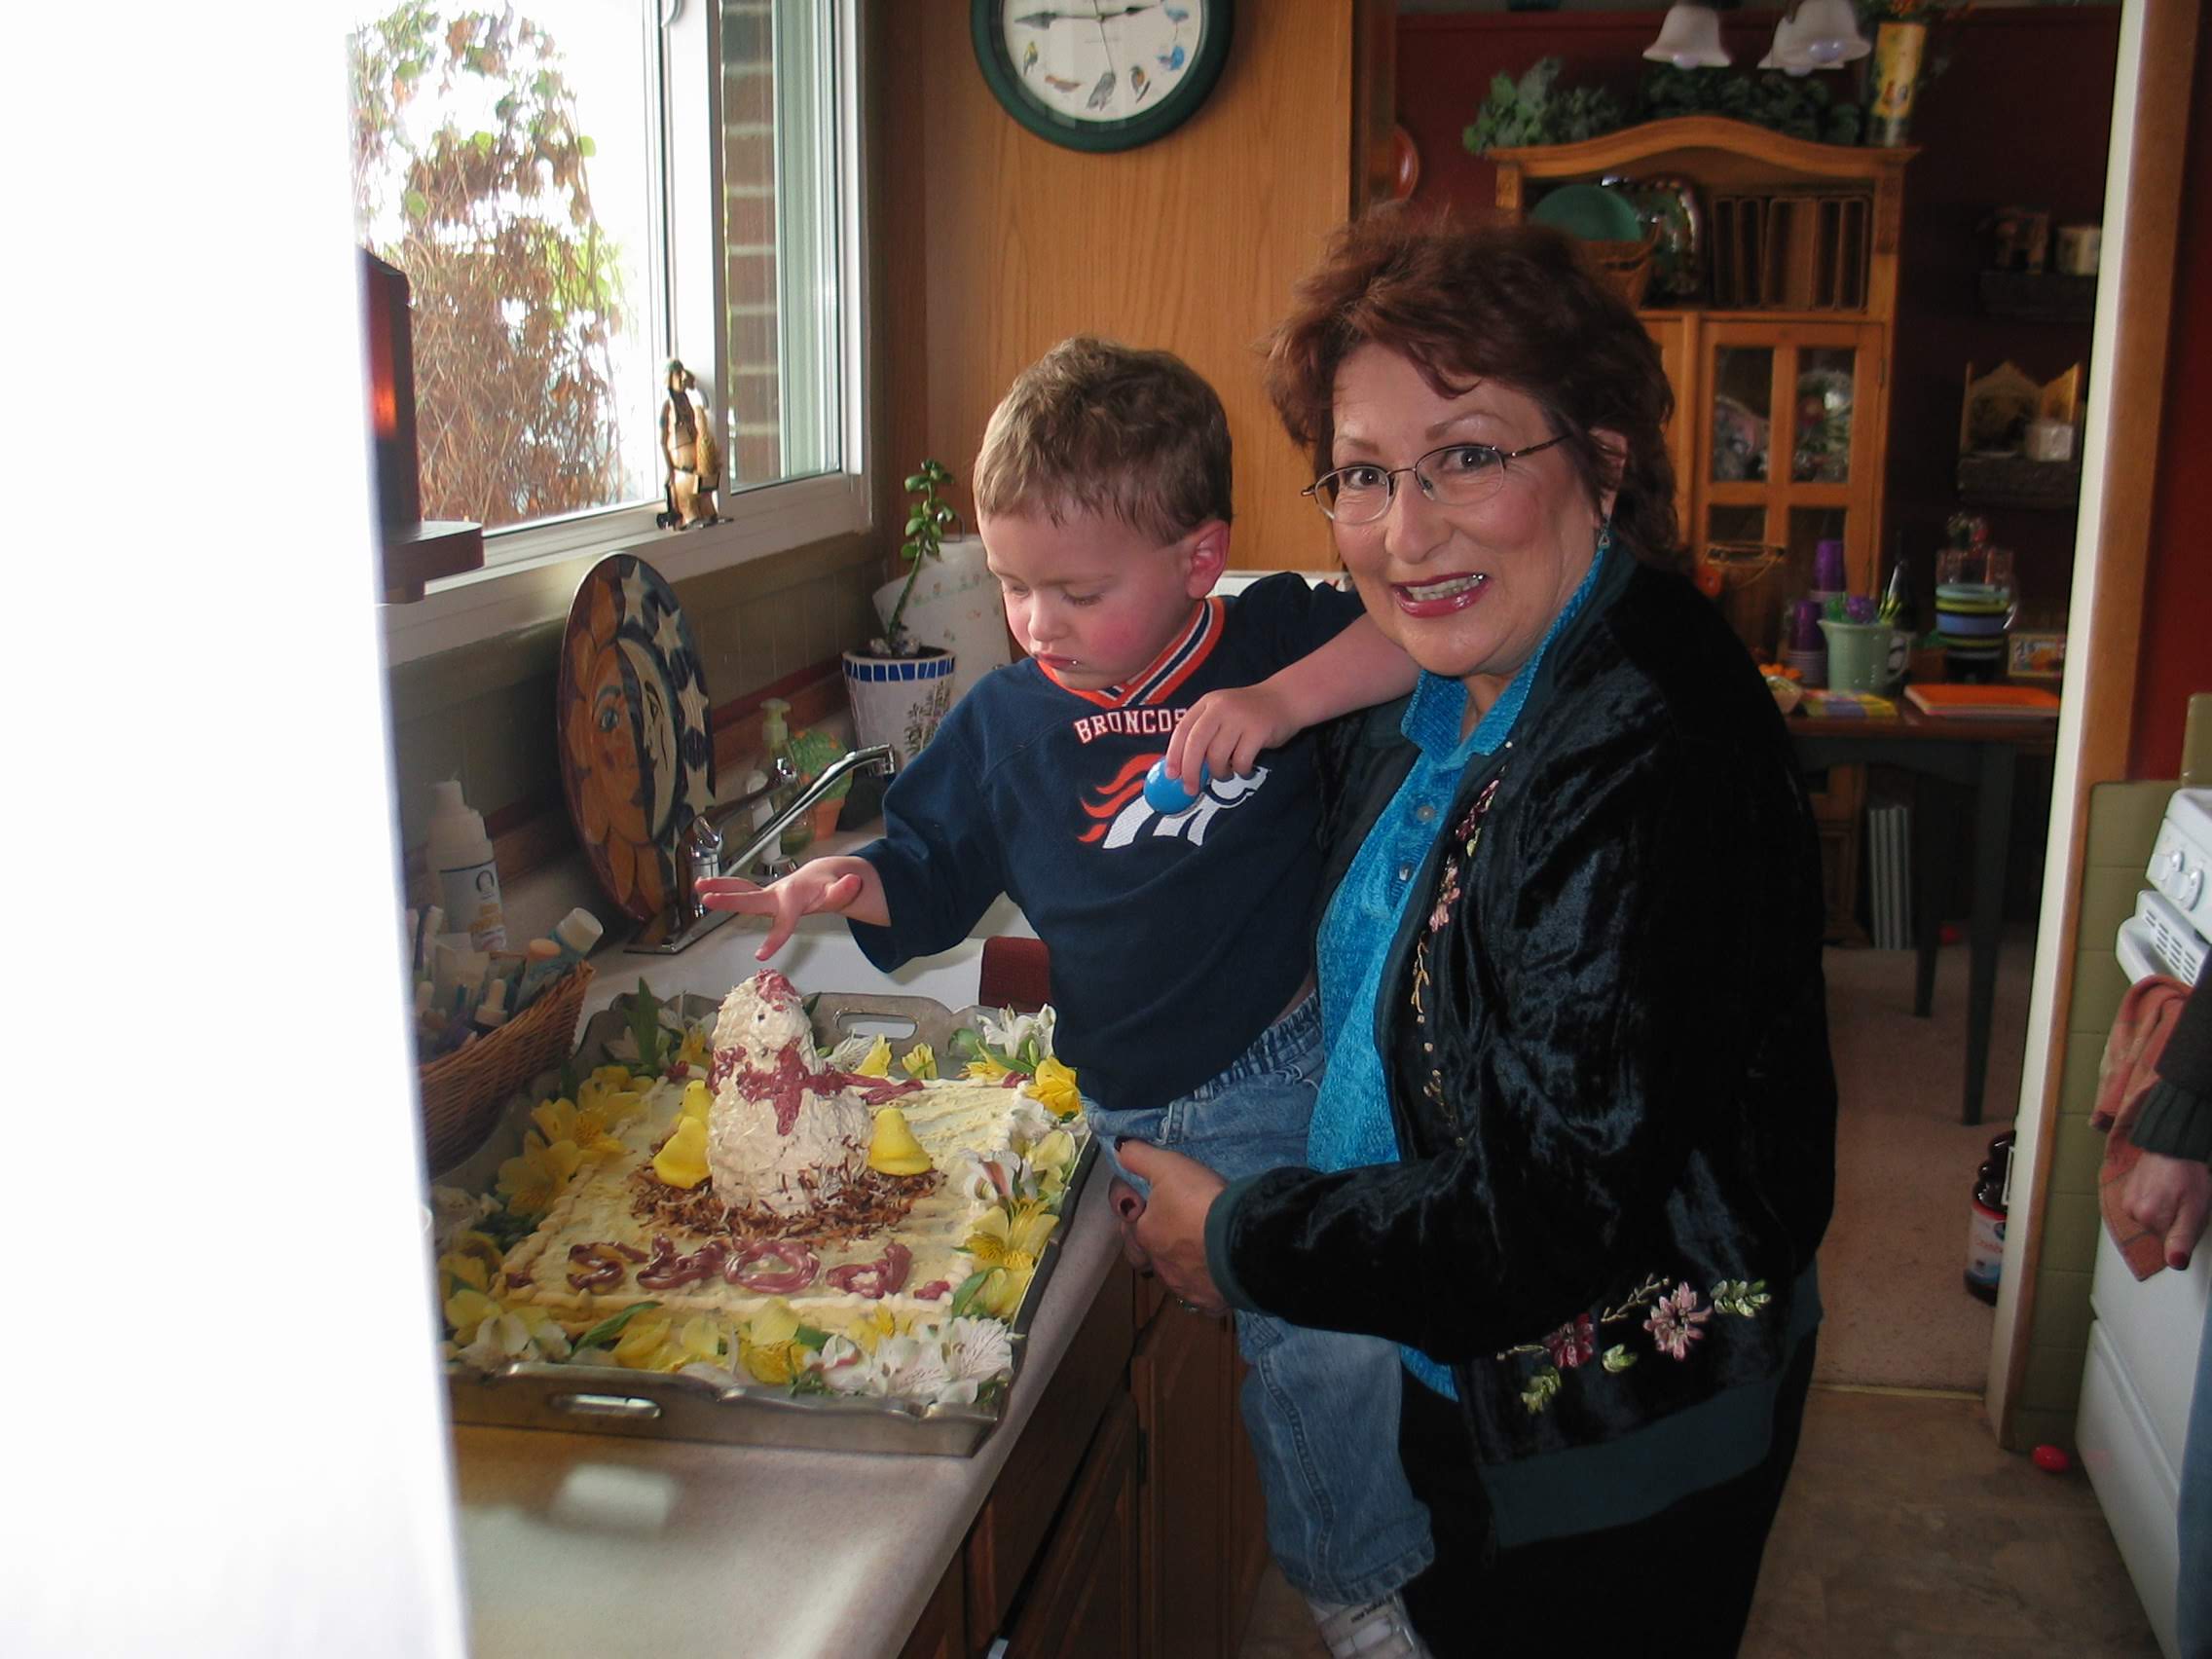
(994, 57)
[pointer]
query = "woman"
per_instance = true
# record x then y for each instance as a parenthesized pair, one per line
(1575, 1146)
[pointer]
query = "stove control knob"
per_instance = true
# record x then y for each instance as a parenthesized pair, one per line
(2191, 890)
(2174, 862)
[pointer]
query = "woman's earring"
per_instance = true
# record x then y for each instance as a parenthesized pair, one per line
(1605, 536)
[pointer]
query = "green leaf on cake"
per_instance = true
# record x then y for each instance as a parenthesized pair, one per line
(608, 1329)
(644, 1027)
(965, 1294)
(807, 1337)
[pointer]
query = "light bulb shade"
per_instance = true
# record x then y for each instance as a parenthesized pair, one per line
(1788, 53)
(1820, 34)
(1690, 38)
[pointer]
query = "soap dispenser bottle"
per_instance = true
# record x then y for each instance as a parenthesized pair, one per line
(776, 740)
(460, 856)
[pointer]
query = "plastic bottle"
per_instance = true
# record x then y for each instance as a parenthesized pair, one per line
(1985, 1231)
(571, 941)
(776, 738)
(460, 855)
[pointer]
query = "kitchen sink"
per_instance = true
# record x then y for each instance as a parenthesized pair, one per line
(820, 956)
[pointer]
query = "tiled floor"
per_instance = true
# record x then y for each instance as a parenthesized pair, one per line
(1905, 1530)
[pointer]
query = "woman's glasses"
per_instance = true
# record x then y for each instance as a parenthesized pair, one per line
(1458, 475)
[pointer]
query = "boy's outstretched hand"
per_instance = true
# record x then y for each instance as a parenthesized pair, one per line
(1226, 730)
(848, 886)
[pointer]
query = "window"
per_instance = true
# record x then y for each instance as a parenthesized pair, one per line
(578, 190)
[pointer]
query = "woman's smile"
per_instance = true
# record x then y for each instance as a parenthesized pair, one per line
(1440, 596)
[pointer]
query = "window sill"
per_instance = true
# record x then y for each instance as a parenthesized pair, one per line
(537, 577)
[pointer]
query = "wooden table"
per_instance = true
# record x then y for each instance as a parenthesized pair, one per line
(1975, 756)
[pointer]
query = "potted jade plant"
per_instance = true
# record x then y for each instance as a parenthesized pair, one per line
(900, 686)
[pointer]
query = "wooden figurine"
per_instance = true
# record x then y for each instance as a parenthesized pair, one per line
(694, 459)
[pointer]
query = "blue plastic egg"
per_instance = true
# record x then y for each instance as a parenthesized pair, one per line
(1169, 795)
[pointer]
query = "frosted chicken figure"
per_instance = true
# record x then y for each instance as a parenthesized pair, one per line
(694, 459)
(777, 1138)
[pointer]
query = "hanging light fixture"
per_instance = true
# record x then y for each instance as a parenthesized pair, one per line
(1690, 38)
(1788, 53)
(1818, 34)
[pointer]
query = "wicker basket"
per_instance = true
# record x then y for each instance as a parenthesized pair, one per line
(1624, 266)
(463, 1092)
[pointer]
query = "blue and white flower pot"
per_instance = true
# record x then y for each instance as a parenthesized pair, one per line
(897, 700)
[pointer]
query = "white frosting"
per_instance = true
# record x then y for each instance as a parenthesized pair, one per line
(756, 1163)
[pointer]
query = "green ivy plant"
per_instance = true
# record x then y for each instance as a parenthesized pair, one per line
(1800, 106)
(927, 519)
(1530, 111)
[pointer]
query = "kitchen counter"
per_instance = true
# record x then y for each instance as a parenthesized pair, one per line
(605, 1545)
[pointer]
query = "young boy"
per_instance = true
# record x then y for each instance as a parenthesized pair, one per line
(1181, 945)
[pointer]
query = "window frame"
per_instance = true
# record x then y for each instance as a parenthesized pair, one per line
(543, 563)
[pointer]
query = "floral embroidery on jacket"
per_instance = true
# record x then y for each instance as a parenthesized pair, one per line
(1450, 889)
(1675, 1322)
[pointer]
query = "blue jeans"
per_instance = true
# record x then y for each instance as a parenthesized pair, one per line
(1321, 1407)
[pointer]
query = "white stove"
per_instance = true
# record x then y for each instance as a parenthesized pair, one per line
(2141, 1369)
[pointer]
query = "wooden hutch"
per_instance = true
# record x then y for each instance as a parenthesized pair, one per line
(1779, 360)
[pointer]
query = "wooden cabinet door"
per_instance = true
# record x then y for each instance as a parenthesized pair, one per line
(1086, 1600)
(942, 1632)
(1179, 1382)
(1785, 448)
(1247, 1518)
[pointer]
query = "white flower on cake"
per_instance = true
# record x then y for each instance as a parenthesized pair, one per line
(776, 1141)
(975, 1350)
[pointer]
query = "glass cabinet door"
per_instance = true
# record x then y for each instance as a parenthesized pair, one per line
(1788, 444)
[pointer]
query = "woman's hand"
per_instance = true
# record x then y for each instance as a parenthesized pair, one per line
(1170, 1228)
(846, 885)
(2171, 1196)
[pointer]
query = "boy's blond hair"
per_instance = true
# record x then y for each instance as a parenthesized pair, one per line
(1095, 427)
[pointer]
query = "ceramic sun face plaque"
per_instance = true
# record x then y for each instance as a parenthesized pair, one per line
(637, 757)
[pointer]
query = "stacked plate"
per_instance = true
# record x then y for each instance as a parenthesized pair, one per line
(1973, 618)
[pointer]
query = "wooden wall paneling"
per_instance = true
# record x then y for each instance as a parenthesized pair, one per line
(1007, 242)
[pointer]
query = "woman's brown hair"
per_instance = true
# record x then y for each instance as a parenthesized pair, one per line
(1513, 303)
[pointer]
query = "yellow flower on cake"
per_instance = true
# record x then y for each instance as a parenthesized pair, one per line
(999, 1294)
(985, 1069)
(645, 1344)
(1054, 1086)
(773, 1363)
(920, 1063)
(467, 1308)
(696, 1051)
(699, 1342)
(474, 1259)
(608, 1092)
(531, 1182)
(583, 1127)
(876, 1062)
(871, 1328)
(1010, 1235)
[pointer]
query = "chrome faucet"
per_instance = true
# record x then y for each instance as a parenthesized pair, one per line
(700, 850)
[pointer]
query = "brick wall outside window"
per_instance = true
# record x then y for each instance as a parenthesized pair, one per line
(748, 235)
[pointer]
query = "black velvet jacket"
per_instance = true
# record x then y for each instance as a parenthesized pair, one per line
(1629, 1090)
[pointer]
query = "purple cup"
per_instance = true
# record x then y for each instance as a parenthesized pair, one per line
(1827, 566)
(1805, 626)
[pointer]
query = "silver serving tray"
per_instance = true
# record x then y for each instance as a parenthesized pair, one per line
(606, 1399)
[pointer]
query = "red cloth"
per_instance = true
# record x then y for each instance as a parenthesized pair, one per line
(2124, 1075)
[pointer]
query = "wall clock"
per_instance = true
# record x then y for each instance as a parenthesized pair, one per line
(1100, 74)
